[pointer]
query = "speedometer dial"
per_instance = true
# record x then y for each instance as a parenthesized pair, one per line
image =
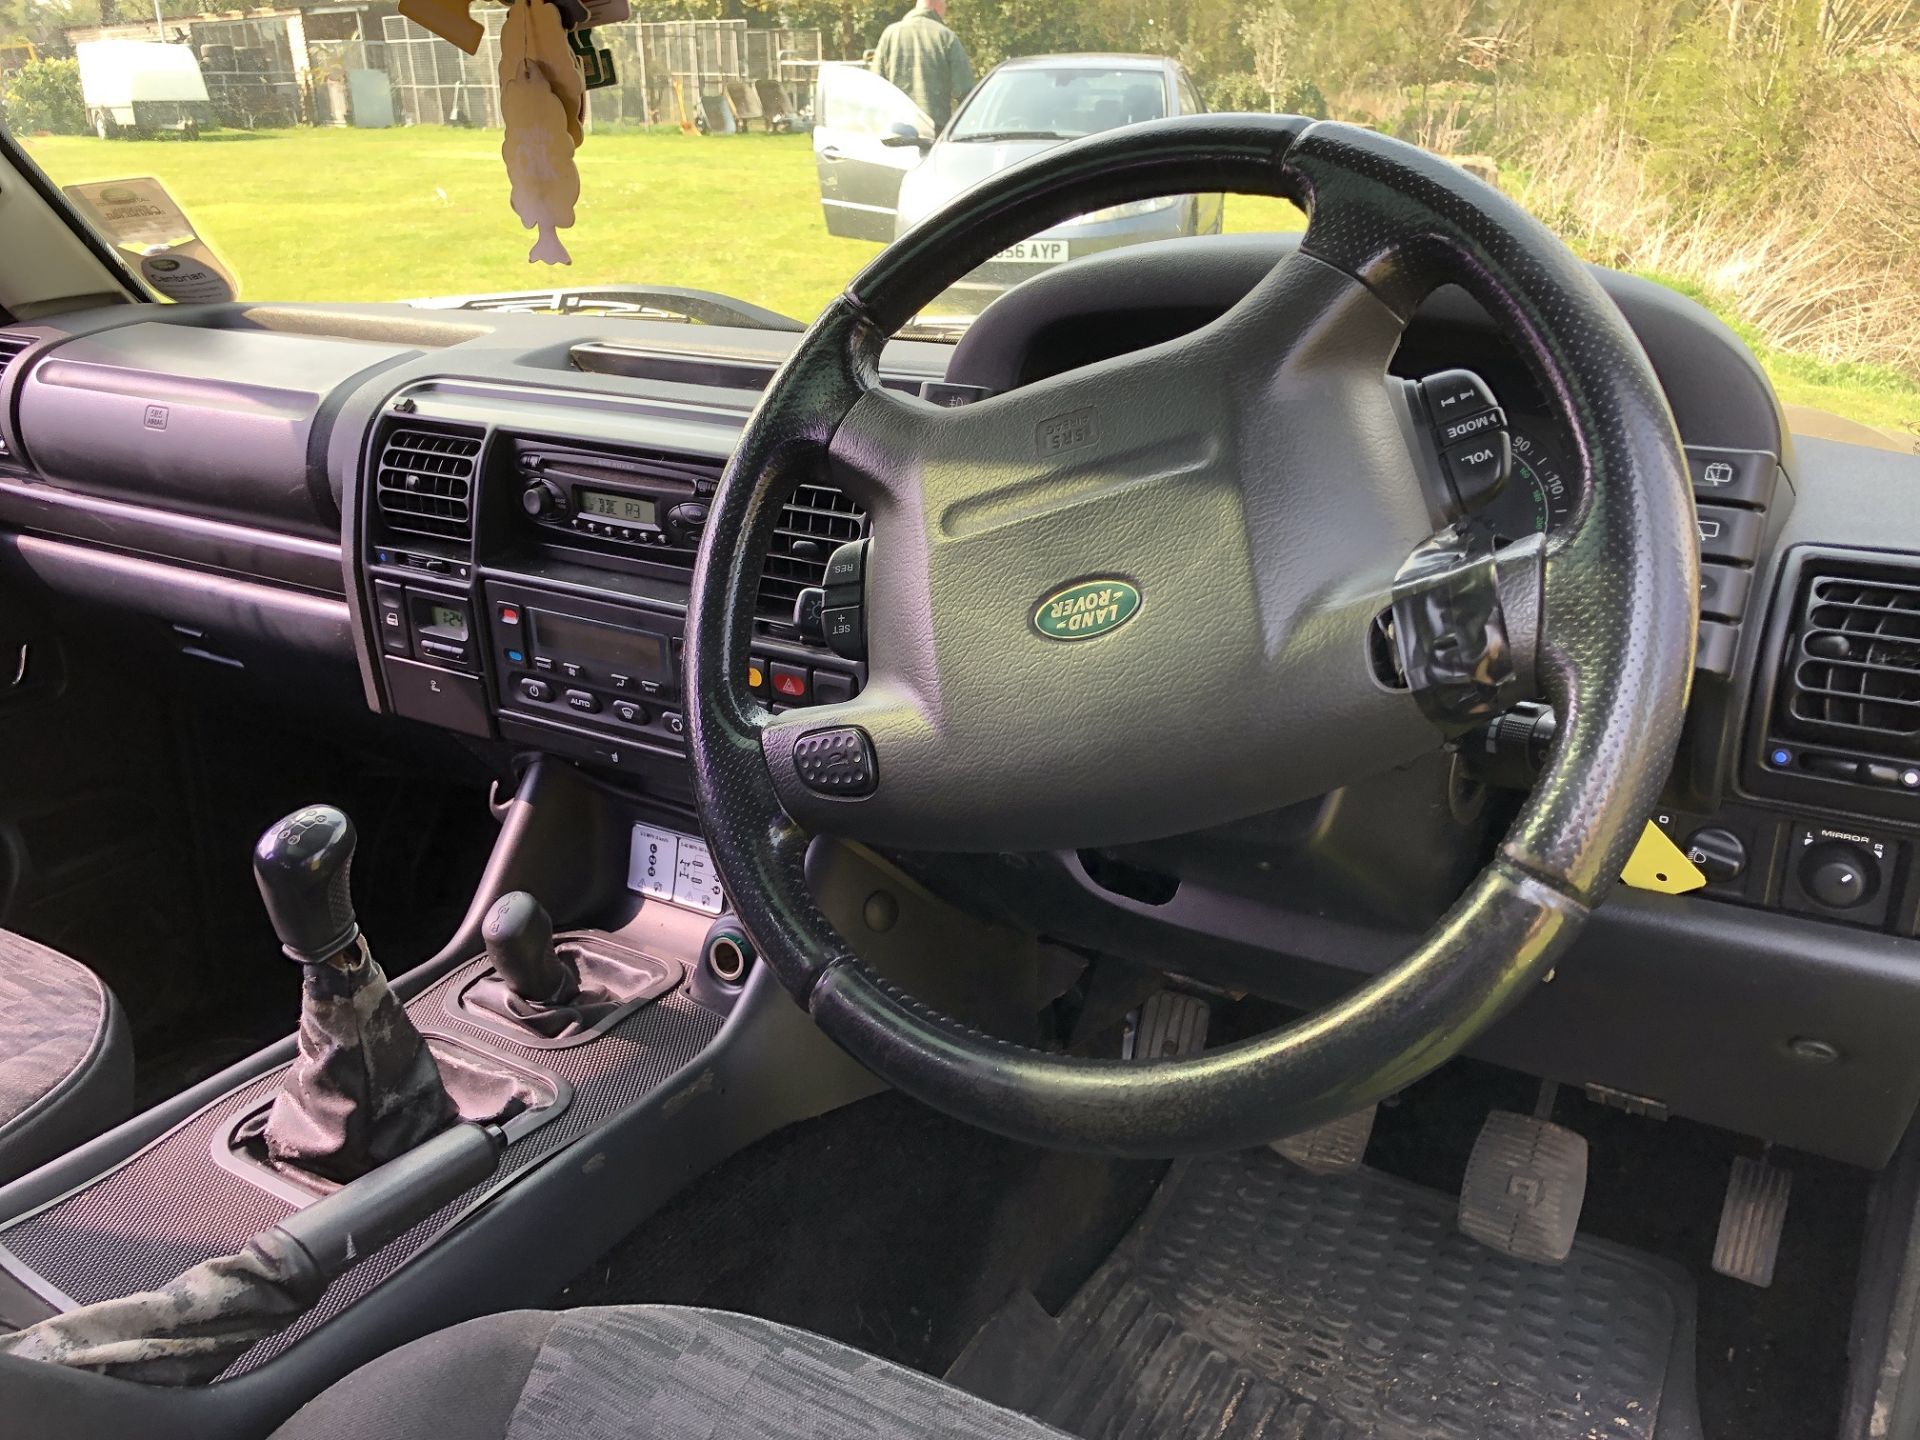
(1538, 498)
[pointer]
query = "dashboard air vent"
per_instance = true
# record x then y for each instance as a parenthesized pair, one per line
(425, 480)
(11, 349)
(816, 520)
(1852, 671)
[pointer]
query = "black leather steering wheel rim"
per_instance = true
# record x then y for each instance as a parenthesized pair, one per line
(1617, 613)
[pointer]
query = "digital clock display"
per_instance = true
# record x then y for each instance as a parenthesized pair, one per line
(627, 509)
(445, 617)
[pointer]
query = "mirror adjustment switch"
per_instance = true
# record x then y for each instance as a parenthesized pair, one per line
(836, 762)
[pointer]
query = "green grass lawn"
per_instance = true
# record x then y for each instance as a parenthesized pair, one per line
(391, 214)
(388, 214)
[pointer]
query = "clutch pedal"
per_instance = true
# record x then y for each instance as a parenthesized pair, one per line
(1526, 1182)
(1751, 1219)
(1335, 1148)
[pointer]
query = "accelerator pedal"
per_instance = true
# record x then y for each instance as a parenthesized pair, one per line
(1166, 1025)
(1526, 1182)
(1751, 1219)
(1335, 1148)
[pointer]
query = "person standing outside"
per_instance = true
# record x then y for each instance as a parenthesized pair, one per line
(922, 57)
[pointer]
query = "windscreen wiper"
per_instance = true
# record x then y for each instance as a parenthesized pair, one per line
(1015, 135)
(637, 302)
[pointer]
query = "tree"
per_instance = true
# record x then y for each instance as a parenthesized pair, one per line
(1270, 29)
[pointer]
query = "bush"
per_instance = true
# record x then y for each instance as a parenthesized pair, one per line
(44, 95)
(1244, 92)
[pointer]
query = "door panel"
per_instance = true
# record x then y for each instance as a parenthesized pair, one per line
(855, 110)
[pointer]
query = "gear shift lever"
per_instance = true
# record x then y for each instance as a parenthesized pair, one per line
(519, 936)
(302, 866)
(364, 1088)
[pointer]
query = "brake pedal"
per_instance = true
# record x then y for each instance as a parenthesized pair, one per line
(1335, 1148)
(1751, 1219)
(1526, 1182)
(1167, 1024)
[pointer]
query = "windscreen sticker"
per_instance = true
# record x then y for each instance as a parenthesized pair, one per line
(185, 279)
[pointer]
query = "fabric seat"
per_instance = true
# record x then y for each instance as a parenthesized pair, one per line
(66, 1058)
(644, 1373)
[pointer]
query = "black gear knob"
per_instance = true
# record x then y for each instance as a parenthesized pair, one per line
(301, 864)
(519, 937)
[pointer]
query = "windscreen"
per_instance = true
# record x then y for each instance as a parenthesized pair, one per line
(1063, 104)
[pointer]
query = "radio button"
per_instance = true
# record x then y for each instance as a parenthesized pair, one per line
(538, 691)
(584, 700)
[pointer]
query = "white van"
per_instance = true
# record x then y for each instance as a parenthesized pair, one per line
(134, 87)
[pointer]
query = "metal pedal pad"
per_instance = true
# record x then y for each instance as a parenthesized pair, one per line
(1751, 1219)
(1526, 1182)
(1167, 1024)
(1335, 1148)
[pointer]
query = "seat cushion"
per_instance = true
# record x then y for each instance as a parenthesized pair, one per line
(66, 1060)
(644, 1373)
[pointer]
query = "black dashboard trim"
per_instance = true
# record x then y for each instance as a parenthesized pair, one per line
(243, 551)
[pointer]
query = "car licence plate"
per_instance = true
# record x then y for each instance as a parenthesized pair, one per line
(1034, 252)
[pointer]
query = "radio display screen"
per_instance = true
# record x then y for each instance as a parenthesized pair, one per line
(609, 505)
(630, 652)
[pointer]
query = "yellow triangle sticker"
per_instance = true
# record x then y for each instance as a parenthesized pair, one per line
(1659, 864)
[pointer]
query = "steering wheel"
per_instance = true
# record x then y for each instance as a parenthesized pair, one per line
(1248, 496)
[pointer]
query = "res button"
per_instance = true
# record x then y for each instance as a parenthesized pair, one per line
(836, 762)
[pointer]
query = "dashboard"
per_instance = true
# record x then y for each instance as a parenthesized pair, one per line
(484, 523)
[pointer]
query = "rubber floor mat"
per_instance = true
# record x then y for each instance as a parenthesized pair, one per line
(1255, 1300)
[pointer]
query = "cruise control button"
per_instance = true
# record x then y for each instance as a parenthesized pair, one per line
(847, 565)
(584, 700)
(1479, 468)
(537, 691)
(846, 632)
(1455, 392)
(835, 762)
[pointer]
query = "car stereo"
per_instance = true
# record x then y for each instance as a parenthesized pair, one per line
(631, 500)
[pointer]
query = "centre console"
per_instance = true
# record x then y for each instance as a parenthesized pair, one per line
(527, 563)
